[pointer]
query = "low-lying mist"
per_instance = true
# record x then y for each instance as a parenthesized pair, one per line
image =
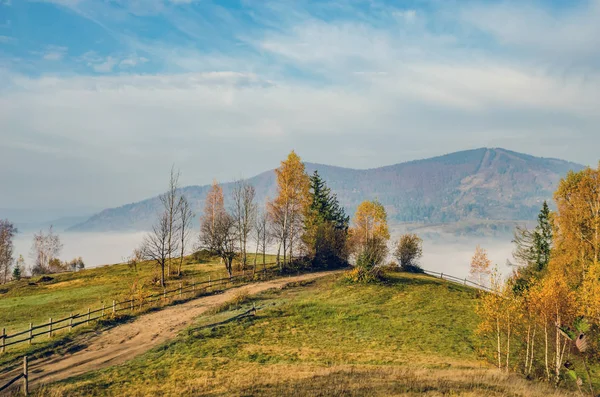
(97, 249)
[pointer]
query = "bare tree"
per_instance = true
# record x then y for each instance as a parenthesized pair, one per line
(244, 213)
(156, 246)
(263, 237)
(170, 201)
(7, 233)
(45, 251)
(219, 236)
(184, 228)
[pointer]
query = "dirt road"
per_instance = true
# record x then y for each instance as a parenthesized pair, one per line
(126, 341)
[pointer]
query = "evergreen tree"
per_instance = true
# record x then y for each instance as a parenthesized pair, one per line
(16, 274)
(325, 226)
(542, 242)
(532, 251)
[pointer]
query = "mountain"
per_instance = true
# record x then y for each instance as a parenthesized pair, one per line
(480, 185)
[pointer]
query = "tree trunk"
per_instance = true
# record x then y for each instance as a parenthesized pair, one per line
(546, 350)
(499, 345)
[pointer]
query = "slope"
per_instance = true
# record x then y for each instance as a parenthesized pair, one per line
(480, 184)
(411, 336)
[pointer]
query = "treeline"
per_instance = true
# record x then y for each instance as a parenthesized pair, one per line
(304, 226)
(544, 320)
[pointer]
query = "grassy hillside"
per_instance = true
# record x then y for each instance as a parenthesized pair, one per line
(481, 184)
(411, 336)
(32, 300)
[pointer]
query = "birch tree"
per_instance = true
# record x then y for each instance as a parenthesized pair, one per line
(170, 201)
(244, 213)
(184, 228)
(7, 234)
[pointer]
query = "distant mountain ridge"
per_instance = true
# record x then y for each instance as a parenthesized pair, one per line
(472, 185)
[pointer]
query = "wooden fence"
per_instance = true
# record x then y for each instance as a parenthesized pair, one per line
(24, 375)
(458, 280)
(52, 326)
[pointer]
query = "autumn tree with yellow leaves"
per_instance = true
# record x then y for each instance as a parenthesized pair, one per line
(545, 315)
(286, 212)
(369, 234)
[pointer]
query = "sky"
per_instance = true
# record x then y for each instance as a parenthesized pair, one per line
(99, 98)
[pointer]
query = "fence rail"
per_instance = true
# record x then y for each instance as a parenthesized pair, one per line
(457, 280)
(51, 327)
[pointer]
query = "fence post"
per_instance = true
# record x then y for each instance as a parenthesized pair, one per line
(209, 283)
(25, 376)
(50, 328)
(88, 317)
(442, 275)
(71, 322)
(465, 281)
(3, 340)
(114, 307)
(30, 332)
(180, 289)
(194, 286)
(164, 292)
(131, 304)
(102, 310)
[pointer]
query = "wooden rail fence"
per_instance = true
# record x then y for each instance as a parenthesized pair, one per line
(52, 326)
(458, 280)
(24, 375)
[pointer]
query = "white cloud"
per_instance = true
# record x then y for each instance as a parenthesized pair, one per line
(378, 92)
(7, 39)
(54, 53)
(132, 61)
(106, 66)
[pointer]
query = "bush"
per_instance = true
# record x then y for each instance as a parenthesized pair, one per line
(202, 256)
(409, 249)
(373, 254)
(364, 275)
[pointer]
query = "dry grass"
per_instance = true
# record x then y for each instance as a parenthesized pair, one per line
(412, 336)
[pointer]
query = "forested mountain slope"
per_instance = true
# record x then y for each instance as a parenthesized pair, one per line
(473, 185)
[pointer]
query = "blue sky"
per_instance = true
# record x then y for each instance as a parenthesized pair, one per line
(99, 98)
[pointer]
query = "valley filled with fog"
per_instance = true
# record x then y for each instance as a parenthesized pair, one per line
(99, 249)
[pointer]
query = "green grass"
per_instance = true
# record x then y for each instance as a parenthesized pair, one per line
(31, 301)
(410, 336)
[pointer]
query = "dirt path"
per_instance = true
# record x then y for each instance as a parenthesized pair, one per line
(129, 340)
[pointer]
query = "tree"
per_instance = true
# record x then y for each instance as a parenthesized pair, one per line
(214, 206)
(218, 235)
(370, 223)
(325, 226)
(244, 213)
(532, 250)
(16, 274)
(369, 234)
(262, 236)
(7, 234)
(156, 245)
(287, 210)
(19, 268)
(76, 264)
(184, 228)
(577, 223)
(480, 266)
(409, 250)
(171, 202)
(45, 250)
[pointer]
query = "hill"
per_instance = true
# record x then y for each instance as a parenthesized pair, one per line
(411, 336)
(474, 186)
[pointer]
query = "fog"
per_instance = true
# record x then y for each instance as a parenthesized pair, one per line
(96, 249)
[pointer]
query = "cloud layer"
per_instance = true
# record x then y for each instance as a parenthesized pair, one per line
(226, 93)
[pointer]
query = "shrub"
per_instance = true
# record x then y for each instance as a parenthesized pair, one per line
(409, 249)
(364, 275)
